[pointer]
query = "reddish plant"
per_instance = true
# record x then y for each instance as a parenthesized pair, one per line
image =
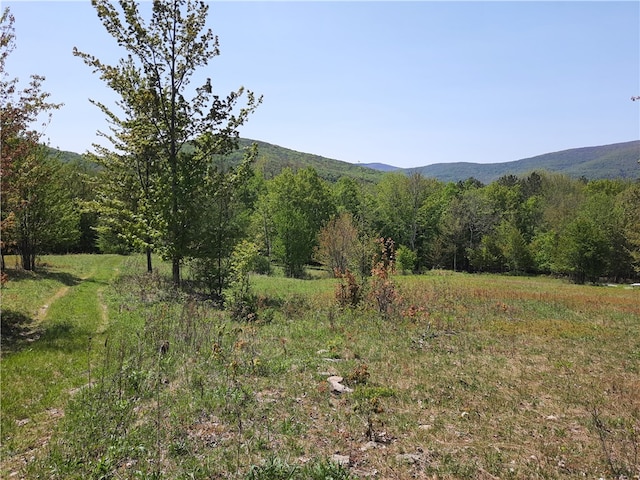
(348, 292)
(383, 291)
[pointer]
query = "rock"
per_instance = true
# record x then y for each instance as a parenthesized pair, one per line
(409, 458)
(368, 446)
(336, 386)
(343, 460)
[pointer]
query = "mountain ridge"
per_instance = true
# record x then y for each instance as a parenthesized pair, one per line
(617, 160)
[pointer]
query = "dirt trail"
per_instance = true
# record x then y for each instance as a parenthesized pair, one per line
(104, 314)
(42, 311)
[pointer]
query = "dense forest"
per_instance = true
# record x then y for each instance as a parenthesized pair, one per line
(539, 223)
(179, 183)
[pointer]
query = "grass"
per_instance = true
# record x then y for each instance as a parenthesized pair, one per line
(466, 377)
(50, 320)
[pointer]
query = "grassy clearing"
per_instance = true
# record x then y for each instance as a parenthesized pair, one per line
(468, 377)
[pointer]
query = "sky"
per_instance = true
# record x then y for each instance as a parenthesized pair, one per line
(403, 83)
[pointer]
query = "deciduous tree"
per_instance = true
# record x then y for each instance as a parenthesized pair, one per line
(189, 125)
(34, 209)
(300, 204)
(338, 244)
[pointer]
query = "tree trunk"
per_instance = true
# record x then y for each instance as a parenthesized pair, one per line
(27, 255)
(176, 271)
(149, 266)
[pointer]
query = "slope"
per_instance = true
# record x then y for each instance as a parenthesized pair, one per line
(619, 160)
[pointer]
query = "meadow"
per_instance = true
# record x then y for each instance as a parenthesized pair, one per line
(110, 373)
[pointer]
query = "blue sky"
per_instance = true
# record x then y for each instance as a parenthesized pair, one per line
(403, 83)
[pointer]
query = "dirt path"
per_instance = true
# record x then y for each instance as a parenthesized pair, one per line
(104, 314)
(42, 311)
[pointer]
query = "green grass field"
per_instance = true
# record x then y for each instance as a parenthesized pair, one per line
(467, 376)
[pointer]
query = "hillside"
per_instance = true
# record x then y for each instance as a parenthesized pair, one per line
(619, 160)
(272, 159)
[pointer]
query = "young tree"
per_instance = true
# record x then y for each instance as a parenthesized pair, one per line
(468, 218)
(629, 200)
(583, 250)
(405, 259)
(127, 188)
(30, 196)
(395, 213)
(226, 217)
(300, 204)
(338, 244)
(45, 216)
(153, 84)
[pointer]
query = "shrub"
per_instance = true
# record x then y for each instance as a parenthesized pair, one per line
(383, 291)
(348, 292)
(406, 259)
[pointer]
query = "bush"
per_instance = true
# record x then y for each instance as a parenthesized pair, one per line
(262, 265)
(383, 291)
(406, 259)
(348, 291)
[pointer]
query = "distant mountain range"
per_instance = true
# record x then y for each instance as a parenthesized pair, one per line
(619, 160)
(383, 167)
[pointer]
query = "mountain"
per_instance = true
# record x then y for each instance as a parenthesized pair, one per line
(272, 159)
(382, 167)
(618, 160)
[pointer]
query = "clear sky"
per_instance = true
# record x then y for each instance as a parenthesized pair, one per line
(403, 83)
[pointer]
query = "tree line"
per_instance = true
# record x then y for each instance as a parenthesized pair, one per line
(164, 185)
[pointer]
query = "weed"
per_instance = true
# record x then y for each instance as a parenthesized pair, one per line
(359, 376)
(620, 442)
(276, 469)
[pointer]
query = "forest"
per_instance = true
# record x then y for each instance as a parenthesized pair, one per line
(167, 187)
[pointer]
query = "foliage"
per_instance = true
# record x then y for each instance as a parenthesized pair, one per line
(382, 290)
(171, 136)
(405, 259)
(225, 217)
(583, 250)
(630, 202)
(299, 205)
(242, 302)
(36, 212)
(43, 212)
(338, 244)
(348, 291)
